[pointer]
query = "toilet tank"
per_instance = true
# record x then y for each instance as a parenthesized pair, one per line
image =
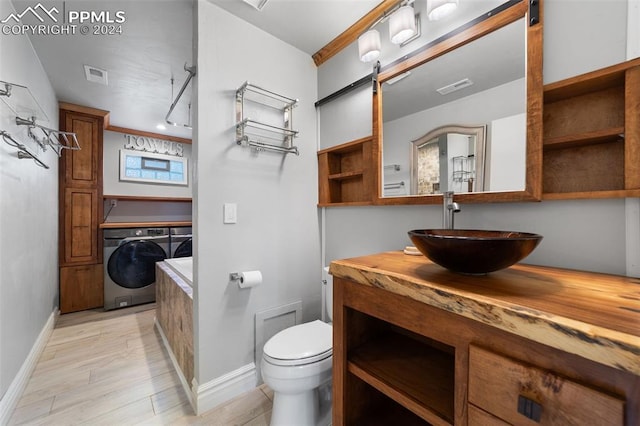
(327, 293)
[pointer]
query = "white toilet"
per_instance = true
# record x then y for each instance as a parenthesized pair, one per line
(296, 365)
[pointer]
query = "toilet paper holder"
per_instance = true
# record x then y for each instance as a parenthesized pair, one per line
(246, 279)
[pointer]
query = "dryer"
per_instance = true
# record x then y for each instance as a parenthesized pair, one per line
(180, 242)
(130, 256)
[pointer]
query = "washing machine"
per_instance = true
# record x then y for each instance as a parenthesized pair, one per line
(130, 256)
(180, 242)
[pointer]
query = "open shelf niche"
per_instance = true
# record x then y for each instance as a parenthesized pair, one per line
(345, 174)
(592, 134)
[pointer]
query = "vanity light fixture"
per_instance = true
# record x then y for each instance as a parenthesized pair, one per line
(369, 46)
(438, 9)
(402, 25)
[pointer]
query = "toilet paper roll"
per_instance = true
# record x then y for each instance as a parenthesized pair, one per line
(250, 279)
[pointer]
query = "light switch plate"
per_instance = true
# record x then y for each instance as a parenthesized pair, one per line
(230, 213)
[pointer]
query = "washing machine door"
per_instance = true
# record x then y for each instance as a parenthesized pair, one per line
(184, 249)
(133, 263)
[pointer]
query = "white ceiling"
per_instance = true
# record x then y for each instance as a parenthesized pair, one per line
(306, 24)
(154, 46)
(156, 43)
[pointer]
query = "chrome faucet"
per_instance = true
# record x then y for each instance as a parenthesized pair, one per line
(449, 207)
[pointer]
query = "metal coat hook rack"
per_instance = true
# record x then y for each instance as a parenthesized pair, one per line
(23, 151)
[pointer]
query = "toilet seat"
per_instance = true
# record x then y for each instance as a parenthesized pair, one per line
(301, 344)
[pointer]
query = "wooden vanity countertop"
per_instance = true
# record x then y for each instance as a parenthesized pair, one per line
(595, 316)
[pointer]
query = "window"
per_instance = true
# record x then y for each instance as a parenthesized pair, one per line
(152, 168)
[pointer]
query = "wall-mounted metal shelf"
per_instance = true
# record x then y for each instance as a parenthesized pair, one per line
(463, 168)
(264, 120)
(22, 103)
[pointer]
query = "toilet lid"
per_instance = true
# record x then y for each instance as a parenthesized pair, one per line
(301, 342)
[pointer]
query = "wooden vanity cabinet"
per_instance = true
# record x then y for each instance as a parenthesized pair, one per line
(400, 361)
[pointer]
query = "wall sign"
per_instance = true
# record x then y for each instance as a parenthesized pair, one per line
(147, 144)
(153, 168)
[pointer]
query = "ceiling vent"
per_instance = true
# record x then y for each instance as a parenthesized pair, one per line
(257, 4)
(465, 82)
(95, 75)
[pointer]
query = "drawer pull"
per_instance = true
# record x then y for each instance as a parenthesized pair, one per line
(529, 408)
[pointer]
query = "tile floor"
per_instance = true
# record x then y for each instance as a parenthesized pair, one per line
(110, 368)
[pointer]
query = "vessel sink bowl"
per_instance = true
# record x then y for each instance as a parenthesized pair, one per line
(471, 251)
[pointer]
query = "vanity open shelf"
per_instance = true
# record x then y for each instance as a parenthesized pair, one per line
(382, 411)
(411, 371)
(413, 374)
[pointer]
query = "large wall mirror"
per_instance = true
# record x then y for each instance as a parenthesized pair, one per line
(464, 115)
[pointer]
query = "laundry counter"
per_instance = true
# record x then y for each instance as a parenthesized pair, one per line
(115, 225)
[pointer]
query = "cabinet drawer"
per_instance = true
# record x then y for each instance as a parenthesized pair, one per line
(478, 417)
(503, 387)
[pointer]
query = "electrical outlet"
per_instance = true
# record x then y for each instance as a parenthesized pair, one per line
(114, 202)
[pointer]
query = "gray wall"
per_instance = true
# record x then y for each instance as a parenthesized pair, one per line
(141, 211)
(28, 215)
(581, 234)
(276, 195)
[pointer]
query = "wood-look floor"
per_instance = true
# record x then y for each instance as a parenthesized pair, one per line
(110, 368)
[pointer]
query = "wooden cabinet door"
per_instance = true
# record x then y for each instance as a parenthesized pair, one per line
(81, 287)
(80, 183)
(80, 230)
(82, 168)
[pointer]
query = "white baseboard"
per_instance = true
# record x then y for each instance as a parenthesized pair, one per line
(176, 366)
(217, 391)
(16, 388)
